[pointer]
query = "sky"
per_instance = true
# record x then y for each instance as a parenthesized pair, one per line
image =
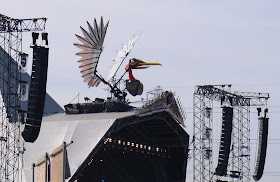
(197, 42)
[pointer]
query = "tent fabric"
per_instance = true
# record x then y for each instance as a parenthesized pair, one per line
(85, 130)
(41, 170)
(56, 172)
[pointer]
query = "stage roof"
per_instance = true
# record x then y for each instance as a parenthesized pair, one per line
(85, 130)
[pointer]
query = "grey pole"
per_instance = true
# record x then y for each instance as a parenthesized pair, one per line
(33, 172)
(46, 167)
(64, 161)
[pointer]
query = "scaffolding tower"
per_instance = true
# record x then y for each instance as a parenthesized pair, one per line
(237, 167)
(11, 57)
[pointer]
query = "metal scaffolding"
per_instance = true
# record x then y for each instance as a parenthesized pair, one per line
(238, 167)
(10, 78)
(203, 139)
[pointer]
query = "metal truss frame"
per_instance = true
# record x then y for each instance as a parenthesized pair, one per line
(8, 24)
(10, 49)
(239, 162)
(158, 99)
(203, 138)
(239, 165)
(10, 44)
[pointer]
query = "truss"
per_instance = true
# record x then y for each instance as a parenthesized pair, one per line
(10, 49)
(238, 168)
(203, 139)
(8, 24)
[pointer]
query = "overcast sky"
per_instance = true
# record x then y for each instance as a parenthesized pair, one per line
(197, 42)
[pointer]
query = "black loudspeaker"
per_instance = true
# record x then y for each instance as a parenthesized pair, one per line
(263, 133)
(221, 169)
(134, 87)
(36, 98)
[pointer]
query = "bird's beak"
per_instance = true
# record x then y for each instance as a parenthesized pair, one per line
(144, 65)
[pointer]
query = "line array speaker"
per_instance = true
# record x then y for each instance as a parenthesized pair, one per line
(263, 133)
(221, 169)
(36, 98)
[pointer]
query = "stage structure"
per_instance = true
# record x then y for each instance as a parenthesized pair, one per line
(13, 63)
(233, 161)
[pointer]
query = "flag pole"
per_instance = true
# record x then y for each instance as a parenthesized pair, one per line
(46, 167)
(64, 161)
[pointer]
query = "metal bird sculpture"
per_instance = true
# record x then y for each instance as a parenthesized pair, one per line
(134, 86)
(92, 46)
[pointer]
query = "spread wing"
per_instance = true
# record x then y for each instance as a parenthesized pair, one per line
(91, 45)
(121, 55)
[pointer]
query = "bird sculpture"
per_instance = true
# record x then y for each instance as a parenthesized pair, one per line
(92, 46)
(134, 86)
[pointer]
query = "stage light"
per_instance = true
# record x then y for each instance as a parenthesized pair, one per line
(22, 115)
(23, 62)
(23, 91)
(90, 162)
(208, 133)
(105, 142)
(129, 145)
(207, 112)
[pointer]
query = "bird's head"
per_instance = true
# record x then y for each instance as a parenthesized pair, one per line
(138, 64)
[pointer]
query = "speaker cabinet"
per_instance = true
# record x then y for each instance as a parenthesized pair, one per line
(37, 92)
(221, 169)
(263, 135)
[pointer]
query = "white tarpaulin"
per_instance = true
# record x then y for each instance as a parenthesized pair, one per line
(85, 130)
